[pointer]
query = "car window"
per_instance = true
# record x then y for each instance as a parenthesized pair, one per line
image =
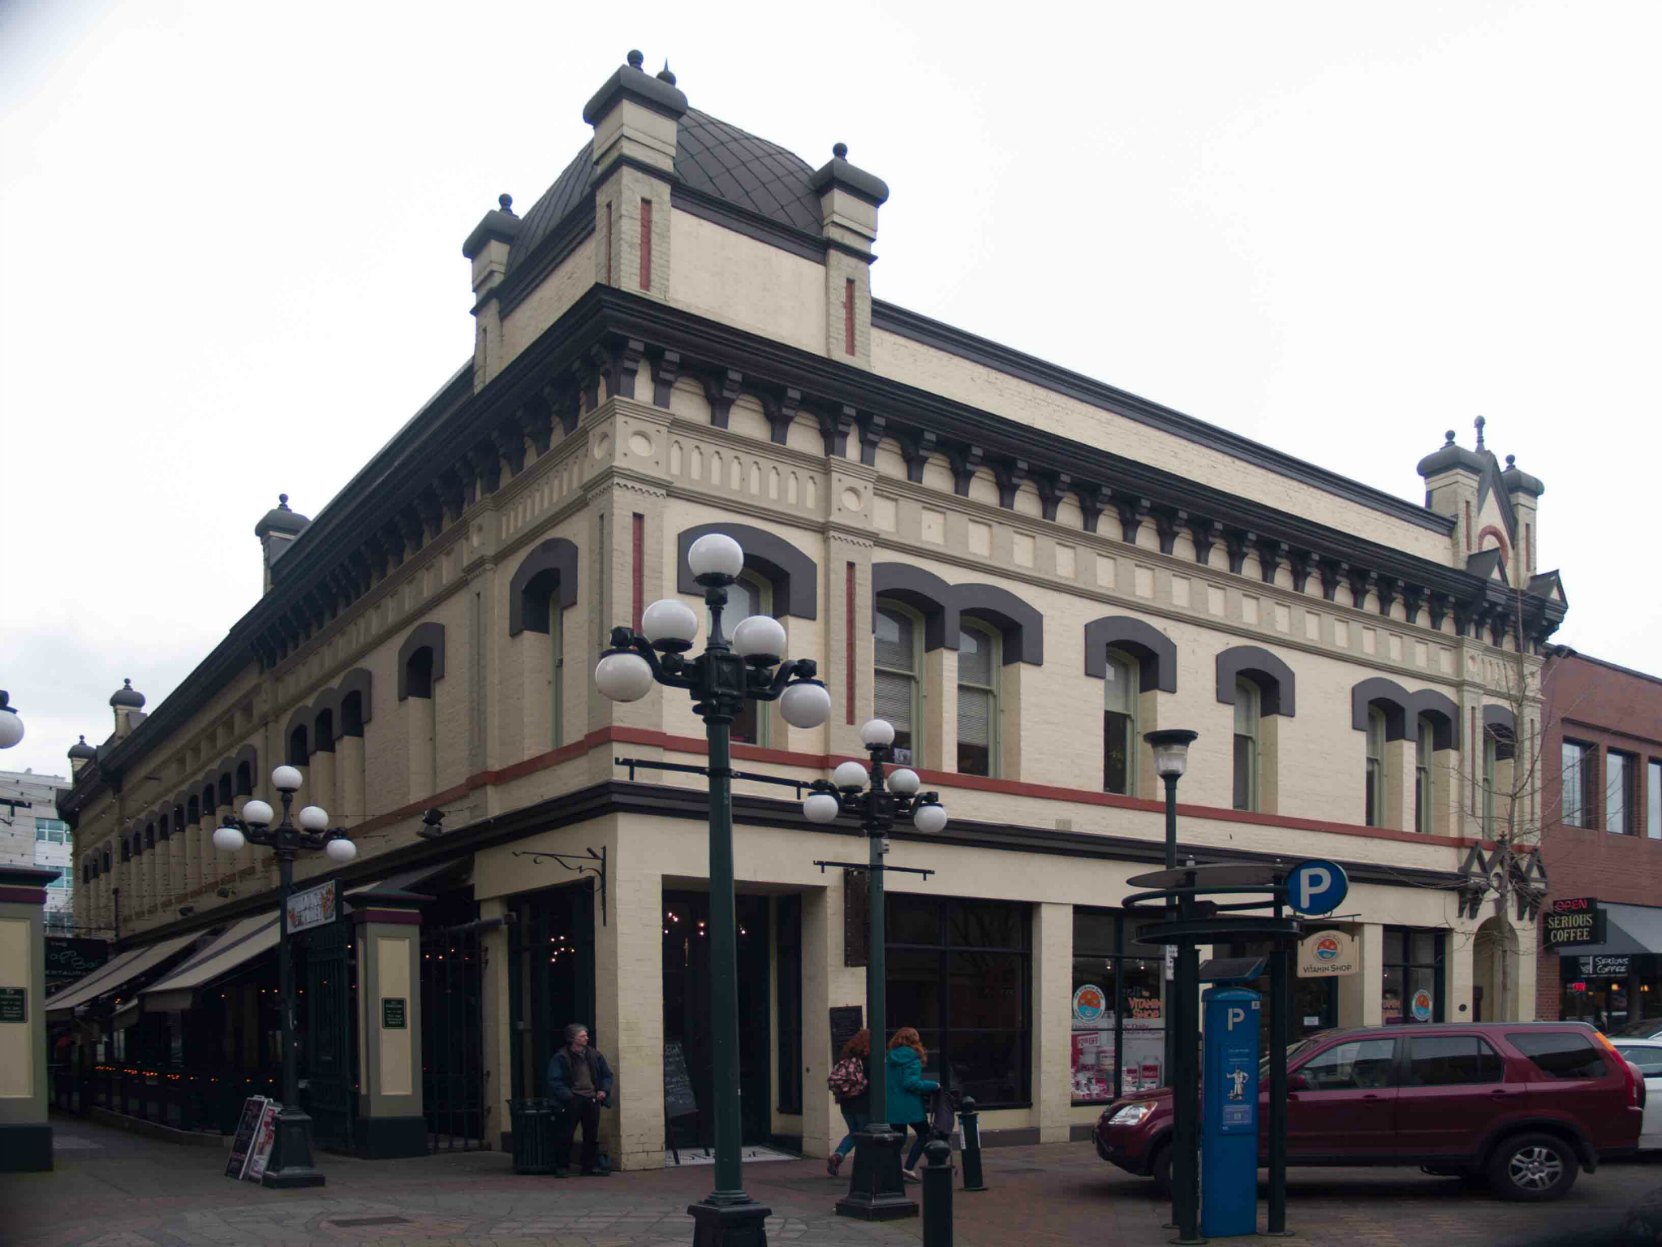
(1450, 1060)
(1347, 1066)
(1649, 1060)
(1563, 1054)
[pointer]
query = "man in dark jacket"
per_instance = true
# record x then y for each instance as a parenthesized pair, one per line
(580, 1081)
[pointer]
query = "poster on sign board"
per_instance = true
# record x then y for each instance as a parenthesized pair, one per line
(265, 1135)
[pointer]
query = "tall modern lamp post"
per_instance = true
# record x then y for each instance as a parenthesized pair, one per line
(720, 680)
(1171, 759)
(11, 726)
(308, 831)
(875, 1191)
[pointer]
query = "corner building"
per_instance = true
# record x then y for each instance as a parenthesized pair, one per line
(1023, 568)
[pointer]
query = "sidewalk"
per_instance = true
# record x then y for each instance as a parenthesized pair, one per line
(113, 1189)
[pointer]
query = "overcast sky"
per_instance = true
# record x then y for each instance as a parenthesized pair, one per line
(230, 252)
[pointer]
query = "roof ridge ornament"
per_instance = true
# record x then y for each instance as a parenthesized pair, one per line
(1479, 423)
(665, 74)
(635, 59)
(505, 202)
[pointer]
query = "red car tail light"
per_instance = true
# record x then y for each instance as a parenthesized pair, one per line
(1635, 1088)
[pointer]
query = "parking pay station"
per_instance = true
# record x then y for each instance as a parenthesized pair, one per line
(1229, 1114)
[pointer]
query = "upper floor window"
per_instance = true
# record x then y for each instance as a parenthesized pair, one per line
(1247, 724)
(748, 595)
(1122, 688)
(898, 687)
(1374, 812)
(1654, 790)
(1619, 772)
(978, 668)
(52, 830)
(1498, 750)
(1425, 780)
(1576, 763)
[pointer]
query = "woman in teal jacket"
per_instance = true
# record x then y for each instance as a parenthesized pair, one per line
(906, 1089)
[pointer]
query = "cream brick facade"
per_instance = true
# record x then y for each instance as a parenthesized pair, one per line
(608, 420)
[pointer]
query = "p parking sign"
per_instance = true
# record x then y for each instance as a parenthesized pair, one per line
(1317, 886)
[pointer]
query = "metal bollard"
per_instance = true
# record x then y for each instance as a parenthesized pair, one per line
(937, 1195)
(970, 1121)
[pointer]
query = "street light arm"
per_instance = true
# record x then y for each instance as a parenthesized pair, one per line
(788, 671)
(628, 641)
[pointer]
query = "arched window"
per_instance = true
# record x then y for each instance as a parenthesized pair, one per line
(1499, 746)
(748, 595)
(418, 673)
(323, 732)
(1122, 689)
(352, 714)
(898, 688)
(1248, 717)
(1425, 807)
(209, 803)
(193, 812)
(1377, 788)
(556, 667)
(298, 754)
(978, 669)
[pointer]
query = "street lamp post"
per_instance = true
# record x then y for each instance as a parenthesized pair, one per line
(308, 831)
(720, 680)
(876, 1191)
(1171, 759)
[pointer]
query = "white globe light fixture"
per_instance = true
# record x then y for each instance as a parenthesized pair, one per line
(287, 779)
(929, 817)
(850, 776)
(228, 839)
(805, 703)
(877, 734)
(256, 812)
(1171, 751)
(759, 640)
(313, 818)
(670, 625)
(623, 677)
(715, 556)
(11, 726)
(904, 781)
(821, 807)
(340, 849)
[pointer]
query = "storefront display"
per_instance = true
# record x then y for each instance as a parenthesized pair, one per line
(1118, 1017)
(1413, 986)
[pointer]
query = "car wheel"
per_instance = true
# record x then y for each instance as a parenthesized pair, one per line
(1161, 1171)
(1532, 1167)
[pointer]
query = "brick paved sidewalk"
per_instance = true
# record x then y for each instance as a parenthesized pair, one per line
(118, 1190)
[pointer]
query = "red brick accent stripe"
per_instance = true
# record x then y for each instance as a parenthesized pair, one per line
(646, 244)
(23, 896)
(637, 583)
(848, 317)
(848, 643)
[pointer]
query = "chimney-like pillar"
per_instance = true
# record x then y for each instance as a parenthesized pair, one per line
(1452, 474)
(487, 246)
(1524, 492)
(128, 704)
(277, 531)
(849, 198)
(635, 116)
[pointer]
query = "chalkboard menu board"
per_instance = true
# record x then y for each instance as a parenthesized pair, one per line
(243, 1142)
(70, 959)
(846, 1021)
(679, 1100)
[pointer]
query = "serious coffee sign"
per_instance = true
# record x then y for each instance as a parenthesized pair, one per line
(1573, 920)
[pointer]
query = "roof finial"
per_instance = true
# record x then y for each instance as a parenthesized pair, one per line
(664, 74)
(840, 150)
(282, 502)
(1511, 462)
(505, 202)
(1448, 437)
(635, 59)
(1480, 422)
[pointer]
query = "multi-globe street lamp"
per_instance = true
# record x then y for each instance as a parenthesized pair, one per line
(720, 680)
(11, 725)
(307, 831)
(875, 1189)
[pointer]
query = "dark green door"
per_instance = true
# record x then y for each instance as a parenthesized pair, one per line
(327, 1052)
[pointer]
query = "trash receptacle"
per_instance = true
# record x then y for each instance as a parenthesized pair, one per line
(533, 1122)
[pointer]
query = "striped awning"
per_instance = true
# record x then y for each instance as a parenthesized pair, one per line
(236, 946)
(113, 975)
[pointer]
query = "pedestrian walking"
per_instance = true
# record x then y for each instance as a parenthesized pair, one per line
(580, 1081)
(906, 1089)
(850, 1082)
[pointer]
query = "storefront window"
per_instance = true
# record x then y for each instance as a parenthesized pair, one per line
(1118, 1020)
(959, 972)
(1413, 989)
(1315, 1001)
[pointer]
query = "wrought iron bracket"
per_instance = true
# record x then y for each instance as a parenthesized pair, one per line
(905, 870)
(581, 864)
(687, 768)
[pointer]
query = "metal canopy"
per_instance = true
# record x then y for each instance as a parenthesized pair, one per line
(1214, 874)
(1232, 969)
(1219, 930)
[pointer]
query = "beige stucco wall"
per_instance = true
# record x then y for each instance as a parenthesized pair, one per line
(734, 279)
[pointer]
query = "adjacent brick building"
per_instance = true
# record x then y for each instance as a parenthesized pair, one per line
(1602, 838)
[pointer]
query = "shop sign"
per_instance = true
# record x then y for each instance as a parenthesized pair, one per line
(14, 1004)
(1090, 1003)
(1607, 965)
(1421, 1005)
(69, 959)
(1573, 920)
(1327, 954)
(315, 907)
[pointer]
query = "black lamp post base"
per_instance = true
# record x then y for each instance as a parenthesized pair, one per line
(876, 1191)
(291, 1153)
(729, 1225)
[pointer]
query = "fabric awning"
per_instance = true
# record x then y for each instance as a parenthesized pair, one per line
(126, 1015)
(1628, 929)
(234, 947)
(404, 881)
(113, 975)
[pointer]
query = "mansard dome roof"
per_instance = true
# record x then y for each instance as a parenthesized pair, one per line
(128, 696)
(712, 158)
(82, 750)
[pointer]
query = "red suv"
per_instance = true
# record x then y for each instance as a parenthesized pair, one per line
(1524, 1105)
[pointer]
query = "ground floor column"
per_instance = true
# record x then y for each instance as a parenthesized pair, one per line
(1360, 994)
(497, 1044)
(828, 982)
(1053, 1021)
(25, 1136)
(391, 1121)
(629, 1010)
